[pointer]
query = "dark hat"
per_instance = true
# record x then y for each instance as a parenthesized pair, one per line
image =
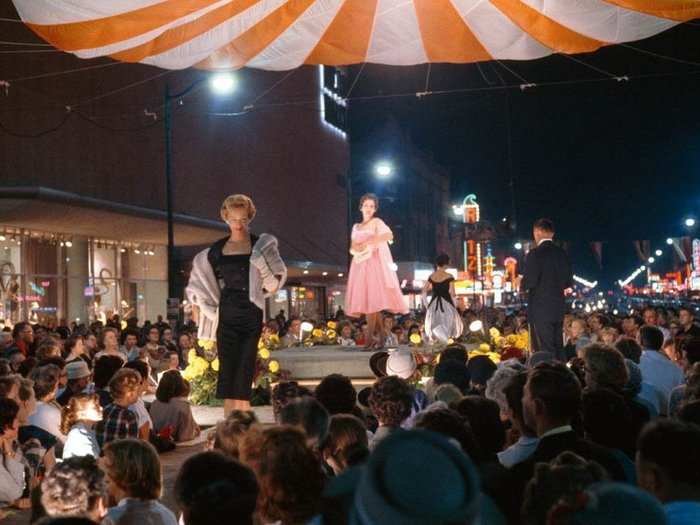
(481, 368)
(413, 477)
(363, 396)
(377, 363)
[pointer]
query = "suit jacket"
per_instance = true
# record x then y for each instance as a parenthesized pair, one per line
(547, 275)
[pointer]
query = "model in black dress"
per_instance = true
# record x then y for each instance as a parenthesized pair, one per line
(240, 323)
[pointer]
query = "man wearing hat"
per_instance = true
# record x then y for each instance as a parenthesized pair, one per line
(78, 379)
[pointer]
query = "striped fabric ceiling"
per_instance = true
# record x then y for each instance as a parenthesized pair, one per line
(284, 34)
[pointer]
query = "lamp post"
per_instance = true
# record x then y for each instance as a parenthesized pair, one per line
(220, 83)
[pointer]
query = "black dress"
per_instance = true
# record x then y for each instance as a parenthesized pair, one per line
(240, 324)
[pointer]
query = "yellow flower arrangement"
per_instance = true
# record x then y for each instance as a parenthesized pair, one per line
(317, 332)
(416, 339)
(215, 365)
(332, 325)
(494, 332)
(274, 339)
(273, 366)
(191, 355)
(264, 353)
(330, 334)
(261, 343)
(484, 347)
(206, 344)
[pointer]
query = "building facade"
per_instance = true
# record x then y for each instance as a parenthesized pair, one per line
(82, 203)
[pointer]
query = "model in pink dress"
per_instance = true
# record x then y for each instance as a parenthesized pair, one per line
(372, 282)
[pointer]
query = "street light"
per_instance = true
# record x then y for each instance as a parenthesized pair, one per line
(690, 222)
(518, 246)
(221, 83)
(669, 241)
(651, 260)
(659, 253)
(383, 170)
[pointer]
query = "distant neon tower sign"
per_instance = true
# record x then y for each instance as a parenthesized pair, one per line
(471, 214)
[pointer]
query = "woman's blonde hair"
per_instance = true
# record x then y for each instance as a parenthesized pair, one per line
(75, 410)
(238, 201)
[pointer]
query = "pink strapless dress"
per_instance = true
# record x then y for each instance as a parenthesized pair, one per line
(372, 284)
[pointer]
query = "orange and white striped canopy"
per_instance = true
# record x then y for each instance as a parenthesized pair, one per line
(284, 34)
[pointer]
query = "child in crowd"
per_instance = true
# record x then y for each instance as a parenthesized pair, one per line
(78, 420)
(139, 407)
(118, 422)
(135, 482)
(171, 412)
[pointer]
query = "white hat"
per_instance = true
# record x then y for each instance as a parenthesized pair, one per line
(401, 363)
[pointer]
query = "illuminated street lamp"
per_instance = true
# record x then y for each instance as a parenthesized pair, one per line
(383, 170)
(659, 253)
(690, 222)
(518, 246)
(669, 241)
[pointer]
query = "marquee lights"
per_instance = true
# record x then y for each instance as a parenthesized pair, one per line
(584, 282)
(632, 276)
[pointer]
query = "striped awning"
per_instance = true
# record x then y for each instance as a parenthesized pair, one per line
(284, 34)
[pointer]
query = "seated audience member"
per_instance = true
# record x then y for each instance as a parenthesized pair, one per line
(5, 367)
(668, 466)
(288, 473)
(605, 369)
(135, 482)
(9, 386)
(104, 370)
(608, 422)
(23, 338)
(690, 354)
(78, 420)
(447, 394)
(130, 347)
(336, 393)
(454, 427)
(286, 392)
(47, 415)
(609, 335)
(656, 368)
(228, 434)
(78, 379)
(390, 400)
(629, 348)
(74, 349)
(110, 345)
(118, 422)
(551, 401)
(495, 387)
(608, 503)
(559, 481)
(527, 441)
(171, 412)
(47, 348)
(484, 418)
(14, 479)
(213, 488)
(385, 491)
(75, 488)
(578, 338)
(633, 389)
(37, 444)
(347, 444)
(15, 358)
(690, 412)
(308, 415)
(345, 337)
(139, 407)
(480, 368)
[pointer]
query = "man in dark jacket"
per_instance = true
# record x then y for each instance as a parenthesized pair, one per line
(547, 275)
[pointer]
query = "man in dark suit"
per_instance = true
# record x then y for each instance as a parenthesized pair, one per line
(547, 275)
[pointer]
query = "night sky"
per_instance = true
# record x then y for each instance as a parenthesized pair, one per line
(607, 161)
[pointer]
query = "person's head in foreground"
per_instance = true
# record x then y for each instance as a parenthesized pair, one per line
(551, 397)
(387, 489)
(288, 472)
(75, 488)
(213, 488)
(132, 469)
(228, 434)
(668, 460)
(390, 400)
(609, 503)
(346, 444)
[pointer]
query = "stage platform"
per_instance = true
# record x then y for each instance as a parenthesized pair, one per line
(309, 365)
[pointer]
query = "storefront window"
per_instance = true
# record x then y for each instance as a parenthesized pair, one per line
(307, 302)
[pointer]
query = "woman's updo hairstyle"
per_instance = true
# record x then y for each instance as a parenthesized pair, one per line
(442, 260)
(238, 201)
(370, 197)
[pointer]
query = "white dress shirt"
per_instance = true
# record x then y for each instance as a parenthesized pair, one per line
(518, 451)
(48, 417)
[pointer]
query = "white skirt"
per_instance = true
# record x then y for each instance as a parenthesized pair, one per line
(442, 322)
